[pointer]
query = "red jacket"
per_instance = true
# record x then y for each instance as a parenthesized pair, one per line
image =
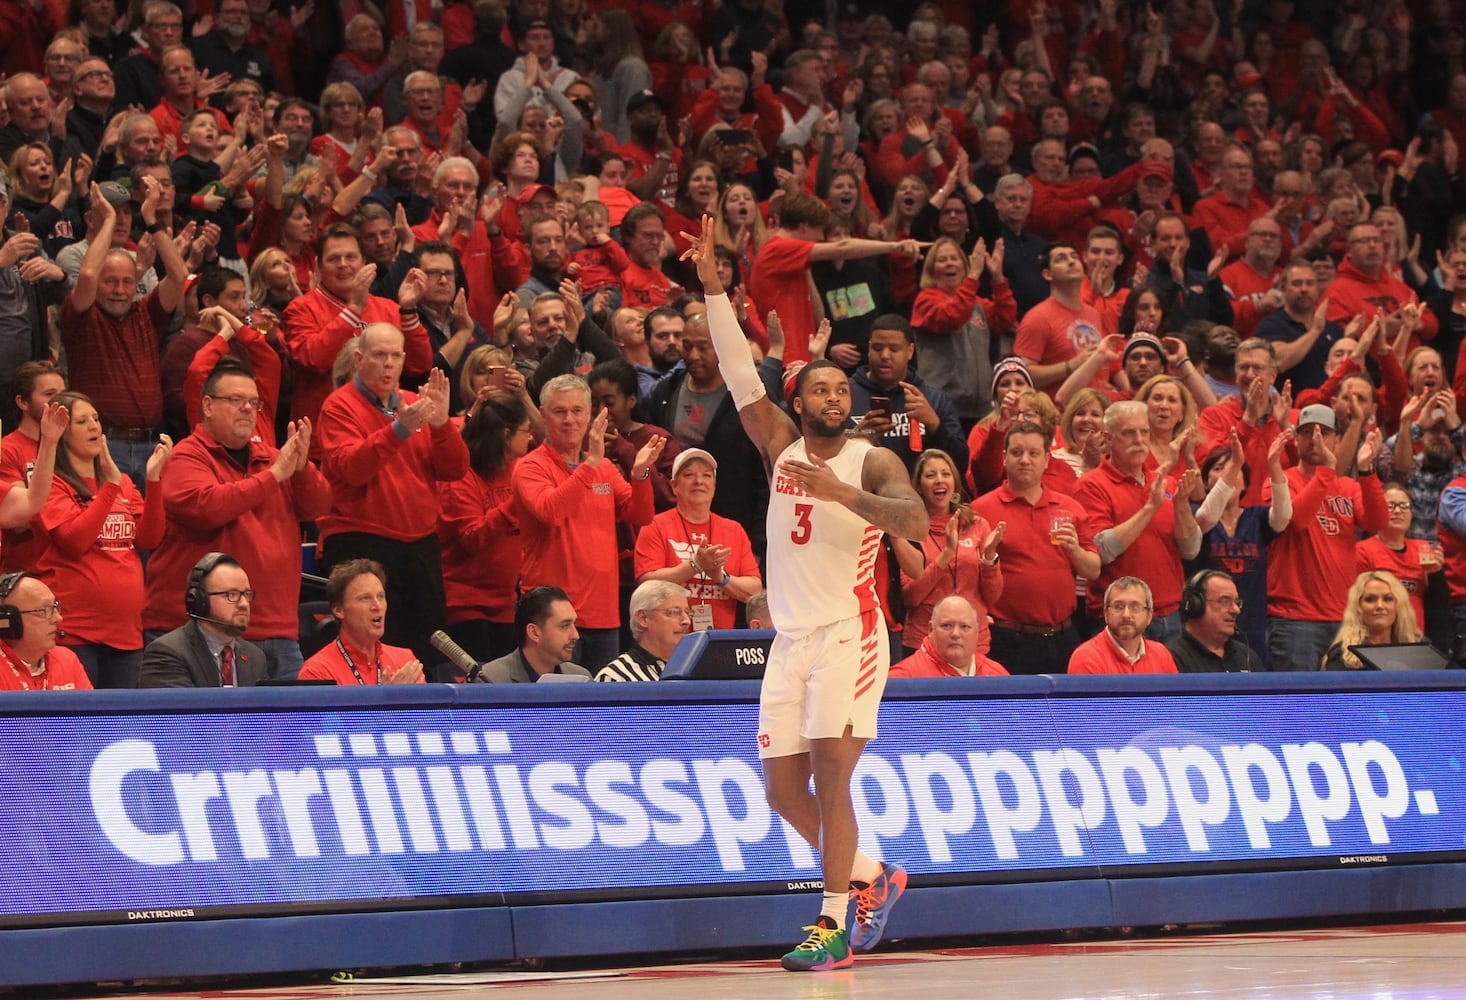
(263, 361)
(927, 662)
(1353, 292)
(213, 505)
(318, 324)
(382, 483)
(567, 520)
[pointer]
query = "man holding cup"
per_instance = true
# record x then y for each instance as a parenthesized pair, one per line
(1046, 546)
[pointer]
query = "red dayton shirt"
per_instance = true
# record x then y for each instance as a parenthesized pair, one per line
(1311, 564)
(567, 519)
(1051, 333)
(60, 671)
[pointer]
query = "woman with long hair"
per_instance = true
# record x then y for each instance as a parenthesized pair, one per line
(1171, 412)
(477, 532)
(273, 280)
(618, 69)
(911, 193)
(94, 522)
(739, 225)
(677, 69)
(516, 160)
(1377, 612)
(959, 555)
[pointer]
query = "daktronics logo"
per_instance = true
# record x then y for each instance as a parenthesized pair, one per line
(431, 792)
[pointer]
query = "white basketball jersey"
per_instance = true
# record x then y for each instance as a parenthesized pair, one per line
(821, 555)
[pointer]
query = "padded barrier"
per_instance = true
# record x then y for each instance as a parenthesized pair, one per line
(193, 833)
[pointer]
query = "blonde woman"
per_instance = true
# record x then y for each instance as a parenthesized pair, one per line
(1083, 429)
(1376, 612)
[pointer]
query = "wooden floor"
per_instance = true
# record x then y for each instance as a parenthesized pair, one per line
(1397, 962)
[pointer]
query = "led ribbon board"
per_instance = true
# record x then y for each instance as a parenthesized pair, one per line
(111, 818)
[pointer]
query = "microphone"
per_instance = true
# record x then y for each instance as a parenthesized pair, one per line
(459, 656)
(232, 628)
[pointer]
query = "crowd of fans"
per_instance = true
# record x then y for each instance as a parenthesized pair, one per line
(1161, 305)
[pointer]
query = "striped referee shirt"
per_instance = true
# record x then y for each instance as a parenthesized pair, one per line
(636, 664)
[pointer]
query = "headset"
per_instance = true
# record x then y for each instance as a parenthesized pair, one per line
(1193, 595)
(195, 598)
(12, 625)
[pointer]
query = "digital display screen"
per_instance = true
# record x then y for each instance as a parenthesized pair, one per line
(183, 815)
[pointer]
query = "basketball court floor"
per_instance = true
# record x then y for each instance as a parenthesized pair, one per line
(1423, 961)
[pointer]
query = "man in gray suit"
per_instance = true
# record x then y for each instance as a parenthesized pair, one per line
(544, 621)
(208, 652)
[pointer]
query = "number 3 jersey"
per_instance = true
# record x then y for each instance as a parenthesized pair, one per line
(821, 555)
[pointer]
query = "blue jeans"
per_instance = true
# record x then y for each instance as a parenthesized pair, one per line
(107, 667)
(1163, 628)
(1298, 645)
(597, 647)
(132, 460)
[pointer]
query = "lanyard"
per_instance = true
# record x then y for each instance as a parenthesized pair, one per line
(28, 679)
(707, 539)
(341, 648)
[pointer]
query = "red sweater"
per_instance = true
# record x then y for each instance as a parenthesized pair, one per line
(317, 325)
(214, 505)
(381, 483)
(927, 662)
(567, 519)
(92, 564)
(937, 311)
(481, 548)
(1353, 292)
(263, 361)
(22, 546)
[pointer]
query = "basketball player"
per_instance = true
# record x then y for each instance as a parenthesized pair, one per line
(830, 498)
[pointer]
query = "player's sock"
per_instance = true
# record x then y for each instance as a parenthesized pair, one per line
(865, 870)
(836, 906)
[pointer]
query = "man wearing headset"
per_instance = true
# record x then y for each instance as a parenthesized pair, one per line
(30, 622)
(208, 651)
(1208, 642)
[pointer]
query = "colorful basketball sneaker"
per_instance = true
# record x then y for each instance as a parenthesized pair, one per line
(873, 906)
(827, 947)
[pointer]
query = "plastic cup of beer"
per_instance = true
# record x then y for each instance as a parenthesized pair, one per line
(1059, 520)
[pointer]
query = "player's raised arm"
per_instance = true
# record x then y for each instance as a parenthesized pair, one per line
(769, 427)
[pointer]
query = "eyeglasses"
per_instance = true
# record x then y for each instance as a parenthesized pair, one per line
(1398, 504)
(47, 613)
(1128, 607)
(233, 596)
(240, 402)
(435, 274)
(673, 612)
(105, 74)
(1225, 602)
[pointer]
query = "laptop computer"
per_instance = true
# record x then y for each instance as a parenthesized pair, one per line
(1402, 656)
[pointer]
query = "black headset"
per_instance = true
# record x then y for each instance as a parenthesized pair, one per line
(195, 598)
(12, 626)
(1193, 595)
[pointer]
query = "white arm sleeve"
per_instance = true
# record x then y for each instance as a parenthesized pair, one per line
(734, 359)
(1281, 512)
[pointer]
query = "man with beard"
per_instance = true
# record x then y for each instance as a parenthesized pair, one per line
(1302, 338)
(1141, 520)
(1311, 563)
(1365, 285)
(547, 258)
(1120, 648)
(694, 404)
(226, 51)
(950, 650)
(831, 500)
(643, 284)
(1208, 643)
(655, 161)
(208, 652)
(1251, 281)
(909, 397)
(297, 123)
(1426, 454)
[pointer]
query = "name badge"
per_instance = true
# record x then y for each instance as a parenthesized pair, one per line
(603, 488)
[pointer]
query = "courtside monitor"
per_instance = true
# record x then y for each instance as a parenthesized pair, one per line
(1402, 656)
(720, 654)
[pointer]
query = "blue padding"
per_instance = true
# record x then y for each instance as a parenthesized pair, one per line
(251, 946)
(944, 911)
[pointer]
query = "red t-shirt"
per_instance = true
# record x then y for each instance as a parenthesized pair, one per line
(19, 547)
(670, 540)
(779, 282)
(1038, 579)
(329, 665)
(1051, 333)
(1110, 497)
(599, 265)
(92, 565)
(645, 287)
(1246, 288)
(1374, 554)
(1100, 655)
(1311, 564)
